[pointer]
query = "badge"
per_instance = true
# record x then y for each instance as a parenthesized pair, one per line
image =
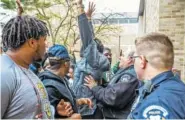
(125, 78)
(155, 112)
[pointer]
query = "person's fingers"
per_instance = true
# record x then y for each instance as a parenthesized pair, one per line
(89, 5)
(87, 85)
(94, 8)
(87, 77)
(61, 102)
(68, 105)
(90, 103)
(87, 81)
(39, 116)
(91, 77)
(69, 112)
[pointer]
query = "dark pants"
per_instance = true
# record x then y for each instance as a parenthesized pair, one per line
(97, 115)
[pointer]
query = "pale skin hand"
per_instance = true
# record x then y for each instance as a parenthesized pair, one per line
(90, 10)
(64, 108)
(90, 82)
(84, 101)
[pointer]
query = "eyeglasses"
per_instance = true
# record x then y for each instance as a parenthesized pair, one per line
(134, 57)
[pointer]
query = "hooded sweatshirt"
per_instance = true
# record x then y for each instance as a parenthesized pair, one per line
(58, 89)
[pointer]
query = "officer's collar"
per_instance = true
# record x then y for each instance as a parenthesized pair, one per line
(161, 77)
(123, 69)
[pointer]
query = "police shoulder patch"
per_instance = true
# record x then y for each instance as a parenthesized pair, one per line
(125, 78)
(155, 112)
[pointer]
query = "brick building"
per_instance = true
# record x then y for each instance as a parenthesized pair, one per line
(165, 16)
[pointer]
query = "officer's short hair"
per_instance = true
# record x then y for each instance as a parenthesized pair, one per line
(157, 48)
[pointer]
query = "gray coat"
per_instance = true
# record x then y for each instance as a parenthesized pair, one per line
(92, 63)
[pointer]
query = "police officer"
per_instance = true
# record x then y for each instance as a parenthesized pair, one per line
(116, 99)
(163, 95)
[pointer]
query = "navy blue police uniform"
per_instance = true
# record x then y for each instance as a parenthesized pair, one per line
(163, 97)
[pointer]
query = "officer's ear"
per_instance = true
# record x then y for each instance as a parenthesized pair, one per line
(143, 62)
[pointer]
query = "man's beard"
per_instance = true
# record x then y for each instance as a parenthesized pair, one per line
(38, 57)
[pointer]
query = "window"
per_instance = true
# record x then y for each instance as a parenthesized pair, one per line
(113, 21)
(133, 20)
(123, 20)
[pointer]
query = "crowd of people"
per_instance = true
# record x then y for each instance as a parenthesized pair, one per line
(52, 85)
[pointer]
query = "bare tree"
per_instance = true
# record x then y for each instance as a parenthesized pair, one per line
(61, 20)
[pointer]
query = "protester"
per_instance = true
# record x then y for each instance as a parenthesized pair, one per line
(57, 85)
(93, 61)
(23, 95)
(116, 99)
(162, 96)
(107, 75)
(70, 75)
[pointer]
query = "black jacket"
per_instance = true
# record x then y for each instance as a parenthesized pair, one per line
(116, 99)
(58, 89)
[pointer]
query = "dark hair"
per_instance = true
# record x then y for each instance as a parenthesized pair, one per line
(55, 64)
(99, 44)
(21, 28)
(106, 48)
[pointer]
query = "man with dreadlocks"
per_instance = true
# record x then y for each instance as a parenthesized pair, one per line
(23, 95)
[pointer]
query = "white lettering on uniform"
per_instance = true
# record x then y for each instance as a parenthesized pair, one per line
(155, 111)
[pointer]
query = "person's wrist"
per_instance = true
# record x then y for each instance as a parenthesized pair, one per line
(89, 18)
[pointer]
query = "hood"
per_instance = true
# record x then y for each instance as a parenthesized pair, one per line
(48, 75)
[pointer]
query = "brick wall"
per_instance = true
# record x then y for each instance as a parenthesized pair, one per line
(172, 23)
(151, 13)
(168, 16)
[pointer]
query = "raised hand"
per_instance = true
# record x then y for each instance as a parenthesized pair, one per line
(90, 10)
(64, 108)
(20, 9)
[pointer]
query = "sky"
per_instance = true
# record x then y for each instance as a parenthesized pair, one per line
(115, 5)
